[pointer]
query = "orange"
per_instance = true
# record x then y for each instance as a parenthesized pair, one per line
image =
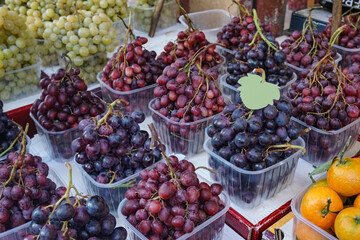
(320, 206)
(344, 177)
(321, 183)
(347, 224)
(357, 201)
(304, 232)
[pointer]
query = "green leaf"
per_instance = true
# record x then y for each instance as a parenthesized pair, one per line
(322, 168)
(257, 94)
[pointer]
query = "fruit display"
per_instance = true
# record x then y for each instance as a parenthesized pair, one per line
(176, 200)
(113, 9)
(187, 98)
(329, 208)
(143, 11)
(305, 48)
(27, 184)
(254, 148)
(240, 30)
(74, 217)
(63, 103)
(313, 97)
(110, 150)
(188, 43)
(130, 75)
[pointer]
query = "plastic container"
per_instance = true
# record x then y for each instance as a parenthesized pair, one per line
(226, 53)
(321, 146)
(120, 31)
(248, 189)
(347, 55)
(28, 142)
(20, 83)
(209, 21)
(142, 17)
(231, 91)
(298, 70)
(114, 193)
(301, 224)
(58, 143)
(208, 230)
(180, 138)
(138, 98)
(21, 231)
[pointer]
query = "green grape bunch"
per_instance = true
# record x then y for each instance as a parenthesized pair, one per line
(81, 34)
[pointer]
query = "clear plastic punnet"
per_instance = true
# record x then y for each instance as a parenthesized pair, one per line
(138, 99)
(113, 193)
(210, 22)
(181, 138)
(301, 224)
(28, 142)
(21, 231)
(248, 189)
(232, 91)
(58, 143)
(20, 83)
(321, 146)
(211, 229)
(142, 17)
(298, 70)
(346, 54)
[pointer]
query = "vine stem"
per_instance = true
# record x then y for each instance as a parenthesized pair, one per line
(12, 144)
(110, 110)
(190, 24)
(258, 28)
(210, 170)
(287, 145)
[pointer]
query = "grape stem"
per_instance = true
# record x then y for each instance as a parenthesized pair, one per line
(258, 28)
(190, 24)
(287, 146)
(242, 9)
(210, 170)
(110, 111)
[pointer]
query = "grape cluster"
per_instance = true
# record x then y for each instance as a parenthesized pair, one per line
(236, 34)
(245, 141)
(81, 35)
(8, 131)
(114, 9)
(331, 102)
(305, 49)
(261, 56)
(17, 43)
(176, 204)
(86, 219)
(114, 147)
(64, 101)
(25, 187)
(350, 36)
(132, 67)
(186, 45)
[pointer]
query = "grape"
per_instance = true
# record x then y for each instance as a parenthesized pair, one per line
(177, 206)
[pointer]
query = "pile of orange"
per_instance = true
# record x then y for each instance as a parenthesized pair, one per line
(333, 203)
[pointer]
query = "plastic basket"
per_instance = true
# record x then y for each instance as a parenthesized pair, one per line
(209, 21)
(231, 91)
(138, 98)
(321, 146)
(248, 189)
(347, 55)
(208, 230)
(28, 142)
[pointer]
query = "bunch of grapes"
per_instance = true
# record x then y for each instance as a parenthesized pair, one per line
(82, 34)
(261, 56)
(114, 9)
(64, 101)
(246, 141)
(186, 45)
(9, 132)
(350, 36)
(114, 147)
(241, 30)
(25, 186)
(17, 43)
(76, 217)
(132, 67)
(327, 99)
(305, 48)
(170, 201)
